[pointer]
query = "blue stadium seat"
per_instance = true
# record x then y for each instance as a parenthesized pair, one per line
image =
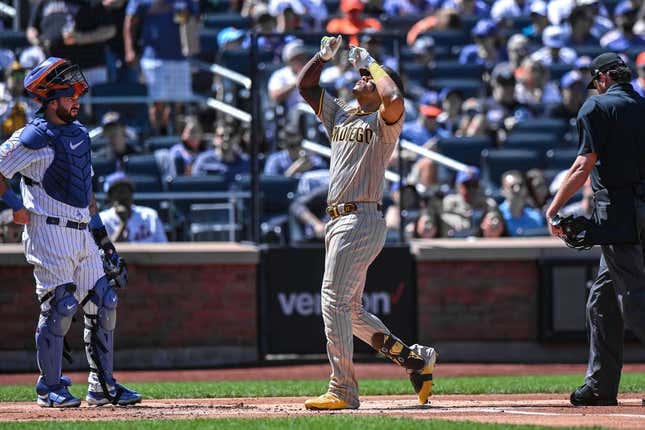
(134, 114)
(102, 167)
(453, 69)
(558, 70)
(468, 87)
(591, 50)
(144, 164)
(198, 183)
(401, 23)
(538, 141)
(542, 125)
(146, 183)
(560, 158)
(497, 161)
(13, 40)
(464, 149)
(453, 38)
(276, 193)
(227, 19)
(160, 142)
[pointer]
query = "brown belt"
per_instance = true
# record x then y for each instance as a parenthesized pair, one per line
(334, 211)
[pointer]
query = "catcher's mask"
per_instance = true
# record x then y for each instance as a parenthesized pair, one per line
(53, 78)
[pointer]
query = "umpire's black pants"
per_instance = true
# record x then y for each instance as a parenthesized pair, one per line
(616, 299)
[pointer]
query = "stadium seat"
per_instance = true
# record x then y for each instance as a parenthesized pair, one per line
(198, 183)
(226, 19)
(13, 40)
(542, 125)
(160, 142)
(276, 193)
(401, 23)
(145, 164)
(560, 158)
(454, 69)
(464, 149)
(538, 141)
(134, 114)
(556, 71)
(454, 38)
(497, 161)
(468, 87)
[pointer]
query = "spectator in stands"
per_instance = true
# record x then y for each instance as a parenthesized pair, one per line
(10, 232)
(574, 91)
(374, 45)
(473, 120)
(426, 128)
(226, 158)
(316, 14)
(264, 22)
(476, 8)
(283, 82)
(598, 13)
(533, 86)
(450, 117)
(487, 49)
(352, 22)
(520, 218)
(118, 68)
(155, 27)
(409, 7)
(423, 55)
(623, 37)
(125, 221)
(463, 211)
(539, 194)
(308, 216)
(555, 51)
(583, 65)
(408, 200)
(292, 160)
(76, 30)
(14, 113)
(639, 82)
(539, 21)
(581, 23)
(428, 224)
(492, 225)
(518, 50)
(288, 15)
(510, 9)
(502, 111)
(443, 19)
(184, 153)
(121, 139)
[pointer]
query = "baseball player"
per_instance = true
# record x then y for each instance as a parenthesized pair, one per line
(362, 137)
(52, 153)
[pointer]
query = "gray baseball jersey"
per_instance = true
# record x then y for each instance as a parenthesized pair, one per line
(361, 148)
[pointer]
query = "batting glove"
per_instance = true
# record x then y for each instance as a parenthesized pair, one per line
(360, 58)
(329, 46)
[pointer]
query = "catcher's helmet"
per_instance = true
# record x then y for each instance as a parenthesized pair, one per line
(53, 78)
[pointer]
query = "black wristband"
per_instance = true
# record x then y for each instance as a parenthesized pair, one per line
(102, 240)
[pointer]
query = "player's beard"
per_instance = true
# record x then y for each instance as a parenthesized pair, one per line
(66, 115)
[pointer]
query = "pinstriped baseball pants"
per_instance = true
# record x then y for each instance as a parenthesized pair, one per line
(62, 255)
(352, 242)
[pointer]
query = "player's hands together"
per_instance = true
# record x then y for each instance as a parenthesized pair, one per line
(115, 268)
(359, 57)
(329, 46)
(21, 216)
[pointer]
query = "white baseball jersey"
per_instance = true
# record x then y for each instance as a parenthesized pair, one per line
(59, 254)
(361, 146)
(143, 226)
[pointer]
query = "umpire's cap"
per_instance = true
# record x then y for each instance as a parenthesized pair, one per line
(391, 73)
(603, 63)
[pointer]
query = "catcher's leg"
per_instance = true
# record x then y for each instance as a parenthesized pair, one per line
(100, 321)
(417, 359)
(57, 309)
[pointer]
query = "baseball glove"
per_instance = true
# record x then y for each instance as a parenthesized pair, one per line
(115, 269)
(577, 231)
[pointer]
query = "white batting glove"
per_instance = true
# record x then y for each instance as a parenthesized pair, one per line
(329, 46)
(360, 58)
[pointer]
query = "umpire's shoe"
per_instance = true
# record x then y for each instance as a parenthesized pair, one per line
(328, 401)
(57, 396)
(584, 396)
(119, 395)
(422, 379)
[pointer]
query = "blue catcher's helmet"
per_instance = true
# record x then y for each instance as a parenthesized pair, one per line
(54, 78)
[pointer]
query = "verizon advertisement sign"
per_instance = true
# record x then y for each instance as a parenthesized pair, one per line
(290, 302)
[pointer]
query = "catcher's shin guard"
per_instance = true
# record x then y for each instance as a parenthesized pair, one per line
(99, 339)
(53, 325)
(397, 351)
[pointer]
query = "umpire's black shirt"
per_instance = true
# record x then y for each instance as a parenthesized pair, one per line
(612, 125)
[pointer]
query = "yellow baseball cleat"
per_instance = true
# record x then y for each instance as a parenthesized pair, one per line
(327, 401)
(422, 379)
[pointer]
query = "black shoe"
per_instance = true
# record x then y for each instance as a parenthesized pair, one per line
(584, 396)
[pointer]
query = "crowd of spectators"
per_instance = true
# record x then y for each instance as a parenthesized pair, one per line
(472, 69)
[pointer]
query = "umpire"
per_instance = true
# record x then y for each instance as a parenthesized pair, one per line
(611, 129)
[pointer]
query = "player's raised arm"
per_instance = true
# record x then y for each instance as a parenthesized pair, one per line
(391, 97)
(309, 77)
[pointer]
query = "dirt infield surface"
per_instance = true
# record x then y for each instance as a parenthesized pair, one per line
(536, 409)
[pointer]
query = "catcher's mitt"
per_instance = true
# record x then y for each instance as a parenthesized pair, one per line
(115, 269)
(577, 231)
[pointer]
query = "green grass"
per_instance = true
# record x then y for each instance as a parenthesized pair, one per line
(309, 423)
(631, 382)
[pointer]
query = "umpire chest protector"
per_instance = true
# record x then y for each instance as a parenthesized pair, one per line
(69, 177)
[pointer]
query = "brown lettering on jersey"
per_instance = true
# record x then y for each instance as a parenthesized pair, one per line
(353, 133)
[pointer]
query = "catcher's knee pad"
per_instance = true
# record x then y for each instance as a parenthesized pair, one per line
(105, 299)
(62, 307)
(397, 351)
